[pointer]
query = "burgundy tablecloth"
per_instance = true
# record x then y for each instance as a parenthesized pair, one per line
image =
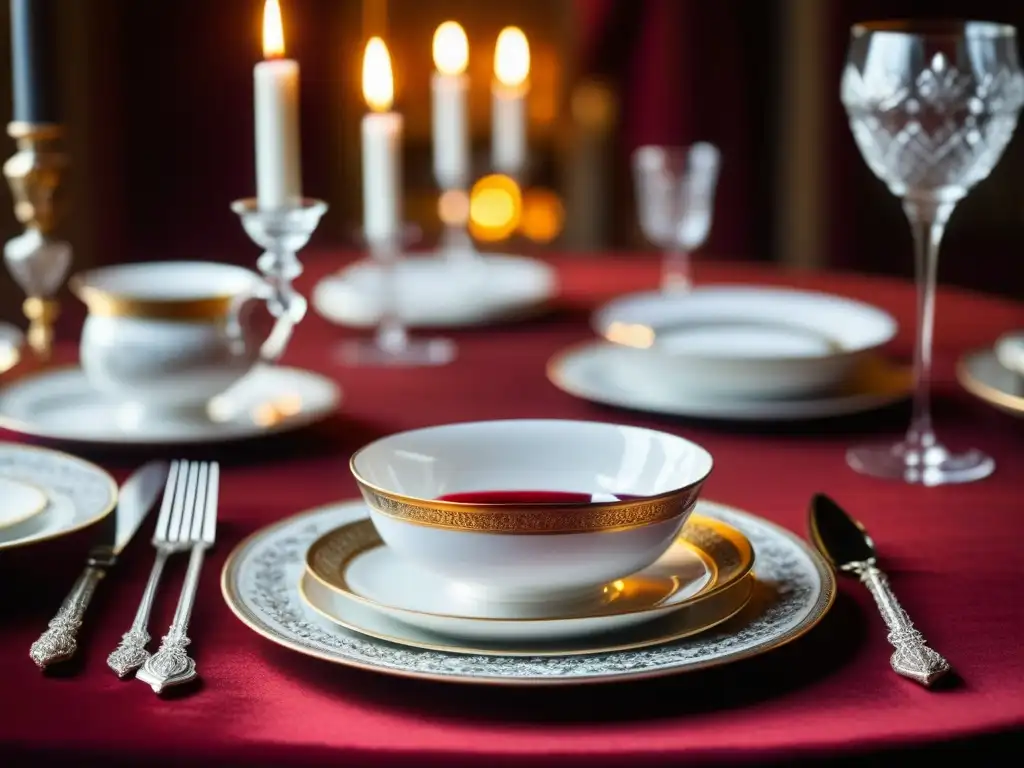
(952, 553)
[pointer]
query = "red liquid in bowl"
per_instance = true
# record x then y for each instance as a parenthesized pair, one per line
(531, 497)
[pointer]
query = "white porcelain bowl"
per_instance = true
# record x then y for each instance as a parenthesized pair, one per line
(531, 554)
(747, 341)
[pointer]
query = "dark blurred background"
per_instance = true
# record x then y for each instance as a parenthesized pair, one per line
(158, 99)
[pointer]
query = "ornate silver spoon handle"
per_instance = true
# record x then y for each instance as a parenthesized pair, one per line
(912, 658)
(131, 652)
(171, 665)
(60, 641)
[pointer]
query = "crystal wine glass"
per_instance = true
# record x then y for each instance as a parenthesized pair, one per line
(675, 195)
(932, 105)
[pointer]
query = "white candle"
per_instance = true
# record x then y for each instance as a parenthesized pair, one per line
(382, 148)
(508, 102)
(449, 88)
(276, 84)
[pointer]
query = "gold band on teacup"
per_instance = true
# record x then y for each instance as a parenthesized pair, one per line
(535, 518)
(104, 304)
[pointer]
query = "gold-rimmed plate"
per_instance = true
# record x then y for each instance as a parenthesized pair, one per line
(793, 590)
(78, 493)
(678, 624)
(19, 501)
(981, 374)
(353, 565)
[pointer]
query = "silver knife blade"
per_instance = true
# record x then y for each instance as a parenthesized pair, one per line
(137, 496)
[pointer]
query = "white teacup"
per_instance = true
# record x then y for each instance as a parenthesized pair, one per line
(168, 336)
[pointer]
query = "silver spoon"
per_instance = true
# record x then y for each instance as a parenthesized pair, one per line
(844, 542)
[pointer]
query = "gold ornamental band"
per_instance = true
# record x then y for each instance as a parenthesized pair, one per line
(104, 304)
(533, 518)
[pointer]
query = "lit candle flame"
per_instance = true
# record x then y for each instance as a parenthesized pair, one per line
(451, 49)
(512, 57)
(378, 81)
(273, 31)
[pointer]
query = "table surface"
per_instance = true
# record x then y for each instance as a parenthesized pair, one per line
(951, 554)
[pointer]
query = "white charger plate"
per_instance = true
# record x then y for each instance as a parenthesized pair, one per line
(607, 373)
(60, 404)
(747, 341)
(353, 564)
(434, 291)
(77, 493)
(260, 583)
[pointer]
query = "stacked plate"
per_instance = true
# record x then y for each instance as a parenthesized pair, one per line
(46, 494)
(996, 374)
(736, 352)
(433, 576)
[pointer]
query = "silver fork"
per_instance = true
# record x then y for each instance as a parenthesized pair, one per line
(171, 665)
(131, 652)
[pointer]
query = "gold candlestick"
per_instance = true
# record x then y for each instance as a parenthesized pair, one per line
(36, 259)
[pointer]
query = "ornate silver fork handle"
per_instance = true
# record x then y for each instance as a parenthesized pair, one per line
(131, 652)
(912, 657)
(60, 641)
(171, 665)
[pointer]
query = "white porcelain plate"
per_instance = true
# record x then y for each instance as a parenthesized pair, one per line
(606, 373)
(260, 582)
(59, 404)
(981, 374)
(750, 341)
(678, 623)
(19, 501)
(76, 493)
(437, 292)
(353, 564)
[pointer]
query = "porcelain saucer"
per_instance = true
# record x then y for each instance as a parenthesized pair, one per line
(19, 501)
(682, 622)
(438, 292)
(352, 562)
(606, 373)
(981, 374)
(77, 494)
(60, 404)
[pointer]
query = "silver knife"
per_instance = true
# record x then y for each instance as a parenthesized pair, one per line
(136, 497)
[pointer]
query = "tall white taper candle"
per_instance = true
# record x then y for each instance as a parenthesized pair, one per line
(449, 90)
(381, 147)
(276, 91)
(508, 102)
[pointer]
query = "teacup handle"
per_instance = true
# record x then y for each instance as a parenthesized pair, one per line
(286, 308)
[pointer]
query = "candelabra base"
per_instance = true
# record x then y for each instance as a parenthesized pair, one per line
(411, 353)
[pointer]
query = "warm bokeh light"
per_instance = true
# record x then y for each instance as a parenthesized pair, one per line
(512, 57)
(453, 207)
(543, 215)
(451, 49)
(495, 208)
(378, 81)
(630, 334)
(273, 31)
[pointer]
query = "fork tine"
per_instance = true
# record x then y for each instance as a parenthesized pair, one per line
(196, 530)
(163, 522)
(189, 506)
(178, 508)
(212, 493)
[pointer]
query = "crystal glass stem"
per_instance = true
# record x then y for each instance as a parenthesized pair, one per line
(928, 221)
(675, 270)
(391, 334)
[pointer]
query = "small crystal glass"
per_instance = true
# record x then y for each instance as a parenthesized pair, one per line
(932, 105)
(391, 344)
(675, 195)
(282, 233)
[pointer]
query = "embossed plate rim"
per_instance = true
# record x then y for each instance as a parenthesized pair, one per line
(809, 615)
